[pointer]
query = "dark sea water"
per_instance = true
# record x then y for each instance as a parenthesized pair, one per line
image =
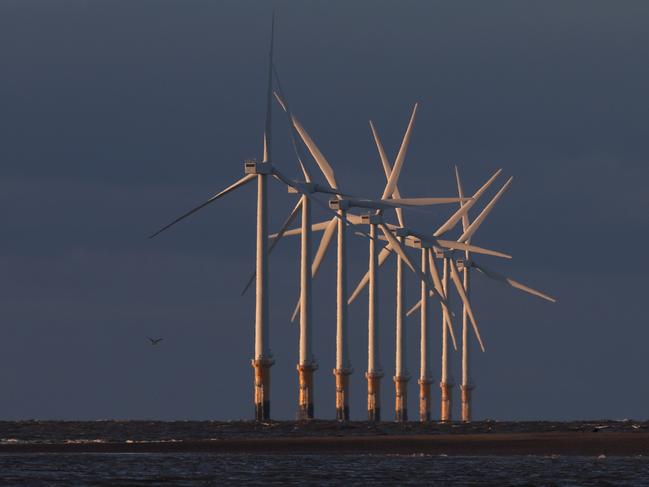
(209, 469)
(200, 468)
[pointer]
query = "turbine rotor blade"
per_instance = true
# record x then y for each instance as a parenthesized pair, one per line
(387, 169)
(246, 179)
(460, 193)
(449, 325)
(319, 158)
(396, 245)
(511, 282)
(398, 163)
(465, 300)
(316, 227)
(324, 246)
(475, 224)
(269, 105)
(383, 255)
(424, 201)
(451, 222)
(452, 244)
(276, 239)
(414, 308)
(282, 102)
(441, 295)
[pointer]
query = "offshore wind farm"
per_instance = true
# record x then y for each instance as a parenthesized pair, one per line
(265, 251)
(384, 239)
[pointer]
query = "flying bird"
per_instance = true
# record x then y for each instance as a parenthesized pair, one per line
(155, 341)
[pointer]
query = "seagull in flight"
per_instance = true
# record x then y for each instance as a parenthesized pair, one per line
(155, 341)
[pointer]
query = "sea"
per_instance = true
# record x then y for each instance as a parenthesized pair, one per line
(200, 468)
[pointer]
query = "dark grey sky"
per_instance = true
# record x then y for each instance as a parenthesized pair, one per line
(117, 116)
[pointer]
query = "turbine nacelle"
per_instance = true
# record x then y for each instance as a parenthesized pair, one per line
(371, 219)
(339, 204)
(254, 167)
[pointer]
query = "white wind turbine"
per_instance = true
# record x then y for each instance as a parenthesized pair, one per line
(465, 265)
(428, 245)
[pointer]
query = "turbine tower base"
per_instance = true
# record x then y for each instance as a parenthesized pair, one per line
(373, 395)
(305, 377)
(424, 399)
(466, 402)
(447, 396)
(401, 398)
(262, 388)
(342, 393)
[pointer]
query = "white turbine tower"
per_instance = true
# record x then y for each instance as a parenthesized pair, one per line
(465, 265)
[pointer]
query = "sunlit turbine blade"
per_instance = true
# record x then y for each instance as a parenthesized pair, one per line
(383, 255)
(396, 245)
(269, 105)
(460, 193)
(434, 273)
(455, 276)
(319, 256)
(398, 163)
(414, 308)
(316, 227)
(457, 216)
(319, 158)
(246, 179)
(278, 236)
(324, 246)
(440, 295)
(284, 104)
(475, 224)
(515, 284)
(452, 244)
(451, 332)
(423, 201)
(387, 169)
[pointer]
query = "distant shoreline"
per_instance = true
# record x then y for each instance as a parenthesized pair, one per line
(561, 443)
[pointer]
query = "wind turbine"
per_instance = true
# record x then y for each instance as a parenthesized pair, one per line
(465, 265)
(428, 245)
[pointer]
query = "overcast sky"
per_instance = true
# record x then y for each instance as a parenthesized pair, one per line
(115, 117)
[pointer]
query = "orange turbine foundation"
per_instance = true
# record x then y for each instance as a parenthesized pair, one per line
(262, 388)
(447, 392)
(424, 399)
(373, 396)
(466, 403)
(305, 377)
(342, 394)
(401, 399)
